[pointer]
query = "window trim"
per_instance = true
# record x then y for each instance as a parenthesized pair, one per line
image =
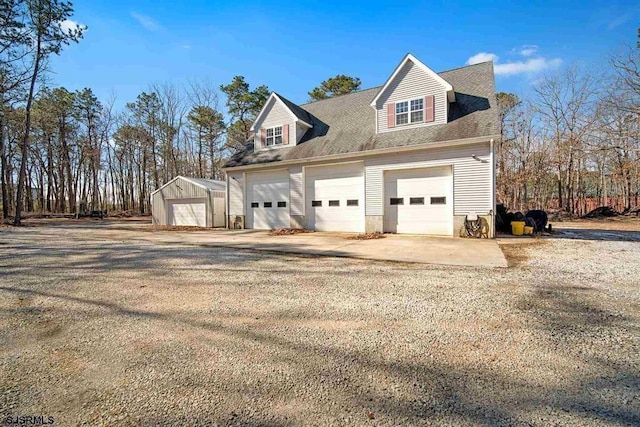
(273, 137)
(409, 111)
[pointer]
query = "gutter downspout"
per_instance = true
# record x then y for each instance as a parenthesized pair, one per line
(226, 200)
(493, 189)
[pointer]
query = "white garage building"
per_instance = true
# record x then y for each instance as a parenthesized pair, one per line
(415, 155)
(190, 201)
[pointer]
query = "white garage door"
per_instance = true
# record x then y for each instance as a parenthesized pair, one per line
(335, 198)
(419, 201)
(268, 200)
(187, 212)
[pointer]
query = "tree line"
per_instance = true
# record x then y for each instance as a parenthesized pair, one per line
(572, 143)
(85, 156)
(575, 142)
(67, 151)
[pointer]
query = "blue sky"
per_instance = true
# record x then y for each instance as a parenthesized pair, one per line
(293, 46)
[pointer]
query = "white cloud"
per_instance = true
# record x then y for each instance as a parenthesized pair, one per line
(529, 50)
(147, 22)
(70, 25)
(618, 21)
(528, 66)
(482, 57)
(186, 46)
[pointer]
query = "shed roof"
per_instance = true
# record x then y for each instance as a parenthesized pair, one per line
(208, 184)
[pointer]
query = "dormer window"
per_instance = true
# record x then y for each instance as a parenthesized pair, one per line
(410, 111)
(274, 136)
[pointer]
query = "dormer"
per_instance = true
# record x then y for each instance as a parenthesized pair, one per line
(280, 124)
(413, 96)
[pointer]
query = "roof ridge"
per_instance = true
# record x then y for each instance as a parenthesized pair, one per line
(191, 179)
(293, 107)
(379, 86)
(464, 66)
(206, 179)
(284, 97)
(341, 96)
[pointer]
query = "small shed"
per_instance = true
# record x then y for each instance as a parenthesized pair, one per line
(190, 201)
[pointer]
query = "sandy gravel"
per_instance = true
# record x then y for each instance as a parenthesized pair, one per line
(132, 333)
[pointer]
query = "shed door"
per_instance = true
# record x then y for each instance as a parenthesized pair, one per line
(219, 210)
(419, 201)
(268, 200)
(335, 197)
(187, 212)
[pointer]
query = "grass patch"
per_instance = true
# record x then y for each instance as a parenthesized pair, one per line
(516, 253)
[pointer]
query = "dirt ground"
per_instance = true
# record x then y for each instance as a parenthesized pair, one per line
(623, 228)
(619, 223)
(100, 326)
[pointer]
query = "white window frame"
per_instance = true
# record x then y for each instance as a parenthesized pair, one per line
(273, 137)
(409, 111)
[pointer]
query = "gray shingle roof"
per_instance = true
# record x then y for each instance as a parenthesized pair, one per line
(346, 124)
(210, 184)
(295, 109)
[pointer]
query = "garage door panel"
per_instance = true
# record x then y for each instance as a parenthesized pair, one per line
(269, 191)
(335, 183)
(270, 187)
(329, 187)
(427, 215)
(187, 212)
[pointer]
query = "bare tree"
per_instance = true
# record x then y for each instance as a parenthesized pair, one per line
(567, 104)
(206, 129)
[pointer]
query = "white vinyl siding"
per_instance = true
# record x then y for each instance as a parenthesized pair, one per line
(410, 83)
(236, 193)
(471, 177)
(275, 115)
(472, 181)
(296, 189)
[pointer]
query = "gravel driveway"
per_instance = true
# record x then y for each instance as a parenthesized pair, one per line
(97, 330)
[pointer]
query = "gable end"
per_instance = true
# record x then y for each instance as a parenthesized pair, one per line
(412, 81)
